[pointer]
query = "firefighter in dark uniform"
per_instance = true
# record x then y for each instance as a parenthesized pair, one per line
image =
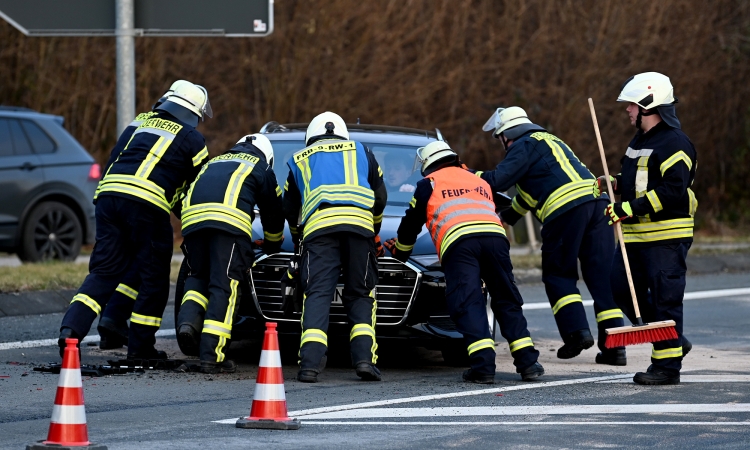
(471, 244)
(334, 200)
(113, 322)
(133, 203)
(554, 185)
(217, 217)
(656, 208)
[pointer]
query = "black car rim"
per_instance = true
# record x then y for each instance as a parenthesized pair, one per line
(55, 235)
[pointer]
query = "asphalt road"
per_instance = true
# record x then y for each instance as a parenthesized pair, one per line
(421, 403)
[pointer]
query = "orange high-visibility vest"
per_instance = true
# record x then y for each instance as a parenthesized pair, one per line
(461, 204)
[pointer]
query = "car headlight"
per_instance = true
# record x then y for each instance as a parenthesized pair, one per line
(429, 261)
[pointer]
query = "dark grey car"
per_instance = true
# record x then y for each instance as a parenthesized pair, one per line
(47, 183)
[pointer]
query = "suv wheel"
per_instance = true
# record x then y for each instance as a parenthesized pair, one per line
(52, 231)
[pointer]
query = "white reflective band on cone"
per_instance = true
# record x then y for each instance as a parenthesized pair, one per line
(69, 415)
(270, 358)
(70, 378)
(269, 392)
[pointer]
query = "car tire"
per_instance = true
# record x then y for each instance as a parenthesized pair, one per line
(179, 292)
(51, 231)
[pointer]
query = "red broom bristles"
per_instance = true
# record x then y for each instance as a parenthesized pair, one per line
(640, 337)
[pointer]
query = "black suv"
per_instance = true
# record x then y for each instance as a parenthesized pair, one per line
(47, 183)
(410, 296)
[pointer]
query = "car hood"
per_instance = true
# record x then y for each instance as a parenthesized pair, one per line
(389, 229)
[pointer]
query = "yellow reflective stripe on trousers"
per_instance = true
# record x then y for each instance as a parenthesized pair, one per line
(654, 200)
(657, 231)
(127, 291)
(145, 320)
(675, 352)
(217, 328)
(88, 301)
(314, 335)
(197, 297)
(200, 156)
(567, 300)
(520, 343)
(564, 195)
(362, 329)
(674, 159)
(480, 345)
(609, 314)
(233, 285)
(272, 237)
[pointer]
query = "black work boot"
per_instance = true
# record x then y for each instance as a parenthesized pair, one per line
(368, 372)
(575, 343)
(68, 333)
(227, 366)
(686, 346)
(308, 375)
(188, 339)
(612, 357)
(147, 355)
(111, 336)
(656, 377)
(533, 371)
(470, 376)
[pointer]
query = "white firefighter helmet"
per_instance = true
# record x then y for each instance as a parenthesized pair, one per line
(648, 90)
(326, 123)
(169, 92)
(261, 143)
(505, 118)
(434, 152)
(192, 97)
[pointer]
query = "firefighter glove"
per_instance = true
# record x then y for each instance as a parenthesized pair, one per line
(618, 211)
(379, 250)
(510, 216)
(600, 185)
(391, 245)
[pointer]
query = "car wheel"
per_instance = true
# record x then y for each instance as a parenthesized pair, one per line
(52, 231)
(179, 292)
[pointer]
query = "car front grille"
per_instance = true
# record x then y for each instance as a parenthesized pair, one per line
(397, 286)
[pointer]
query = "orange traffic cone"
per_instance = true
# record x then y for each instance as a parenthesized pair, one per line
(67, 429)
(269, 401)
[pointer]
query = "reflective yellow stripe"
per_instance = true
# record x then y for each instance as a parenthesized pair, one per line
(197, 297)
(350, 167)
(219, 212)
(479, 173)
(273, 237)
(693, 202)
(220, 356)
(286, 186)
(413, 202)
(480, 345)
(654, 200)
(517, 207)
(469, 228)
(567, 300)
(657, 231)
(380, 171)
(520, 343)
(200, 156)
(234, 187)
(609, 314)
(202, 217)
(217, 328)
(145, 320)
(675, 352)
(304, 167)
(526, 197)
(155, 154)
(403, 247)
(674, 159)
(313, 335)
(233, 285)
(564, 195)
(357, 195)
(377, 219)
(362, 329)
(278, 191)
(127, 291)
(562, 160)
(374, 347)
(88, 301)
(136, 191)
(339, 215)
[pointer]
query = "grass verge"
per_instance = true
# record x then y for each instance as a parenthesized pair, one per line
(51, 276)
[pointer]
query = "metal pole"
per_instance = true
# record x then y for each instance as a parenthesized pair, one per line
(124, 19)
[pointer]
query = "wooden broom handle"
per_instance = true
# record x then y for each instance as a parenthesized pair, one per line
(618, 227)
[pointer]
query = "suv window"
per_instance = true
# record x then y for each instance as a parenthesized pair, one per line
(6, 144)
(20, 143)
(40, 142)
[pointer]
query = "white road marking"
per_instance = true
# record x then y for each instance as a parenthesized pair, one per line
(462, 411)
(51, 342)
(698, 295)
(701, 379)
(523, 424)
(424, 398)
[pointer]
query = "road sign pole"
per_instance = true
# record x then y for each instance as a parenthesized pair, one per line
(124, 19)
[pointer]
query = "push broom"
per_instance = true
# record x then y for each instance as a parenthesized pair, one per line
(639, 332)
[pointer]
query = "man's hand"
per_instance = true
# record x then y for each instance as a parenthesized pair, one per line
(600, 185)
(379, 250)
(392, 246)
(510, 216)
(618, 211)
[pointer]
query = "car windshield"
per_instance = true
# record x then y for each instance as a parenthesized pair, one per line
(396, 161)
